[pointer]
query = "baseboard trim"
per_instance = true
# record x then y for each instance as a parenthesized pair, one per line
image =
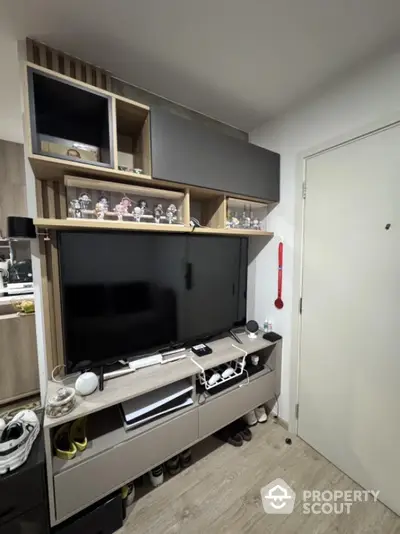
(279, 421)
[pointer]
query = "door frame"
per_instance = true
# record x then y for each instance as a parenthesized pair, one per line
(384, 123)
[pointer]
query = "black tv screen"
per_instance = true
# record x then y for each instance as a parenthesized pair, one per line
(125, 295)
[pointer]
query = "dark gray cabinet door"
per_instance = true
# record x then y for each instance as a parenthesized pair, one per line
(189, 152)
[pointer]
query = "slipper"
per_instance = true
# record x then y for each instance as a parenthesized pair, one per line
(77, 434)
(64, 448)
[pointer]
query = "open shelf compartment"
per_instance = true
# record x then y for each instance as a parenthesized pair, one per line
(208, 208)
(98, 200)
(246, 215)
(105, 429)
(133, 138)
(69, 122)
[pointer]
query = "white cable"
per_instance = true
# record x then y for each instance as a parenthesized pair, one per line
(54, 370)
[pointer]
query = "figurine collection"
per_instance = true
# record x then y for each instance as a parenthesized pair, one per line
(247, 220)
(126, 208)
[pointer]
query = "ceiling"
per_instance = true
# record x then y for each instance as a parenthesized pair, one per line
(239, 61)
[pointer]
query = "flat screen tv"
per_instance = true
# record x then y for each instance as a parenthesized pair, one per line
(126, 295)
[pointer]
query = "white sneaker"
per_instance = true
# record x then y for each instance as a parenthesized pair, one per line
(156, 476)
(261, 414)
(17, 439)
(250, 418)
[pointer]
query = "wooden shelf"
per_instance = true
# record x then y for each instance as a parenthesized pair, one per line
(87, 224)
(233, 231)
(147, 379)
(49, 168)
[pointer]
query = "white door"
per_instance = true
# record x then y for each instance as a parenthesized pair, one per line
(349, 383)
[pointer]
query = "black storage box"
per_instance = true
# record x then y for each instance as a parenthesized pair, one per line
(105, 517)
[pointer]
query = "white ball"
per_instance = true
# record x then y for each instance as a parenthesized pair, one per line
(86, 383)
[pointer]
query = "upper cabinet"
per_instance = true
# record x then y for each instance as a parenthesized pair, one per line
(70, 122)
(186, 151)
(76, 129)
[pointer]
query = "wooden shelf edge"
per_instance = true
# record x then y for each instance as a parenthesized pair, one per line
(49, 168)
(233, 231)
(87, 224)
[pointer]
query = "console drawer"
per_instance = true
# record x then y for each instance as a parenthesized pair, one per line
(89, 481)
(220, 411)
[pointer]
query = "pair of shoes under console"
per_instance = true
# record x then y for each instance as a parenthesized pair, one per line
(259, 415)
(235, 434)
(16, 439)
(173, 466)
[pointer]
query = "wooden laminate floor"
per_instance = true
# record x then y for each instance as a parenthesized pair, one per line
(220, 492)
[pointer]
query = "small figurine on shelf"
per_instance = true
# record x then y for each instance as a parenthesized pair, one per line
(255, 224)
(234, 220)
(137, 213)
(144, 207)
(171, 213)
(104, 200)
(120, 211)
(122, 208)
(160, 208)
(76, 208)
(101, 207)
(84, 201)
(157, 214)
(246, 223)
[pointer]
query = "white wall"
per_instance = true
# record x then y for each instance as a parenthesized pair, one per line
(363, 98)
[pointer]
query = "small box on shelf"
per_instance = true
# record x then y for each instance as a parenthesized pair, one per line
(246, 214)
(105, 201)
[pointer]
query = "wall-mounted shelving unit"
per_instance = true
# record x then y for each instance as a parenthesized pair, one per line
(126, 135)
(72, 114)
(97, 158)
(58, 200)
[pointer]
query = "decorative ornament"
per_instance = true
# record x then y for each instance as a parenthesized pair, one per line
(84, 201)
(137, 213)
(171, 213)
(76, 208)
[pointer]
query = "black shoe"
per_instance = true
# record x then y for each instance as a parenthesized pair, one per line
(172, 465)
(246, 434)
(185, 458)
(236, 440)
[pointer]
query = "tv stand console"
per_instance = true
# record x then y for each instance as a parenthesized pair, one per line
(115, 456)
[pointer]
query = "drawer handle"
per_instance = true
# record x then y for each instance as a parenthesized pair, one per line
(7, 511)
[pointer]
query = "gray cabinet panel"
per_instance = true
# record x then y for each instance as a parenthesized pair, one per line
(187, 151)
(219, 412)
(90, 481)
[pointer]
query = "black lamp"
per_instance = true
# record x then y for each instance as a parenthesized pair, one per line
(20, 228)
